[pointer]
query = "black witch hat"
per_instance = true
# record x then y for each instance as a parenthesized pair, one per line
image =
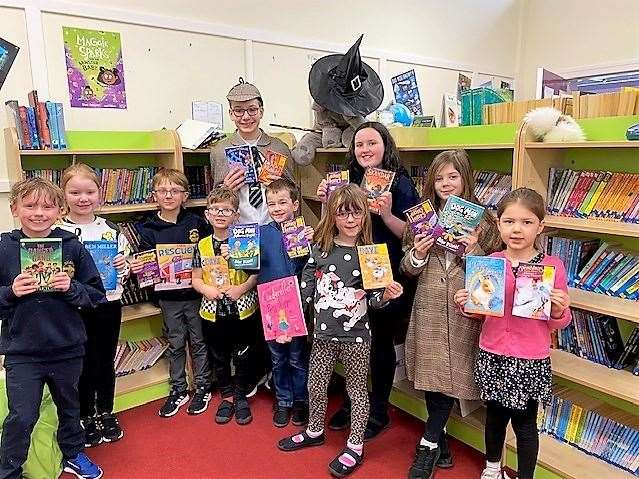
(345, 84)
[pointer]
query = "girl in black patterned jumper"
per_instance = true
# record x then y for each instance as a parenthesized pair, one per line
(332, 283)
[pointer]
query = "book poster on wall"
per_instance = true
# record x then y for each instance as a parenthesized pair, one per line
(95, 69)
(406, 91)
(8, 53)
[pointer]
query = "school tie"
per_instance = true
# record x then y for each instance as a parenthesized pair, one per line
(255, 189)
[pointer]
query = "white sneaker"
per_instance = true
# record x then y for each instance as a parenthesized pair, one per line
(490, 473)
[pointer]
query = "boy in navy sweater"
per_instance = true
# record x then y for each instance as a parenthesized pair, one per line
(43, 334)
(290, 359)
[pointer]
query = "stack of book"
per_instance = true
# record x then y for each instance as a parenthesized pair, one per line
(39, 126)
(200, 180)
(133, 294)
(586, 423)
(573, 252)
(418, 174)
(594, 194)
(127, 228)
(131, 357)
(491, 187)
(611, 271)
(125, 186)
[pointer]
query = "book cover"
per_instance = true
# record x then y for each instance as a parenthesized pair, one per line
(375, 265)
(215, 272)
(335, 179)
(295, 241)
(458, 219)
(281, 308)
(103, 253)
(8, 53)
(377, 181)
(53, 125)
(406, 91)
(273, 165)
(533, 283)
(244, 246)
(175, 262)
(62, 132)
(486, 285)
(150, 273)
(241, 157)
(41, 258)
(421, 218)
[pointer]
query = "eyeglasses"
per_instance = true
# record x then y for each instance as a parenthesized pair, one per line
(239, 112)
(172, 192)
(343, 215)
(221, 211)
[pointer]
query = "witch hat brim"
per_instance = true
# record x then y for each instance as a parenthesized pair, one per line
(344, 84)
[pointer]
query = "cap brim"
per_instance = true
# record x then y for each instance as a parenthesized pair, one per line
(365, 101)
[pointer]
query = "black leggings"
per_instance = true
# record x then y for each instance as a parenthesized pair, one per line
(439, 406)
(525, 426)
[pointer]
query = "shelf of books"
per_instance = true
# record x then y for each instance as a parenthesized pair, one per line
(140, 310)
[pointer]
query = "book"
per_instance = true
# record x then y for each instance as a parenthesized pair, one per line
(194, 133)
(376, 182)
(458, 219)
(175, 262)
(244, 246)
(533, 283)
(486, 285)
(421, 218)
(424, 121)
(273, 165)
(8, 53)
(150, 273)
(406, 91)
(281, 308)
(335, 179)
(242, 157)
(450, 111)
(295, 241)
(374, 263)
(103, 253)
(215, 272)
(62, 132)
(42, 259)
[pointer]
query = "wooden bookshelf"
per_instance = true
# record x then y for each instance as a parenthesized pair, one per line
(138, 311)
(621, 384)
(476, 146)
(583, 144)
(196, 203)
(134, 208)
(72, 152)
(593, 225)
(609, 305)
(158, 374)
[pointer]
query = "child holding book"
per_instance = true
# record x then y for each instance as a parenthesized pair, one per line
(43, 333)
(173, 224)
(81, 187)
(332, 284)
(373, 147)
(512, 369)
(229, 308)
(289, 356)
(441, 345)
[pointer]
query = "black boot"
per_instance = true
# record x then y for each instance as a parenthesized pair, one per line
(445, 458)
(423, 466)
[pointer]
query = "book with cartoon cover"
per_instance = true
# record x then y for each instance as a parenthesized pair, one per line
(176, 265)
(376, 182)
(486, 285)
(215, 272)
(150, 273)
(281, 308)
(42, 259)
(242, 157)
(533, 284)
(375, 265)
(335, 179)
(103, 253)
(458, 219)
(421, 218)
(244, 246)
(295, 241)
(273, 165)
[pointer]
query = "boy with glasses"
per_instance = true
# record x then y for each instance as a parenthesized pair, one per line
(172, 224)
(229, 311)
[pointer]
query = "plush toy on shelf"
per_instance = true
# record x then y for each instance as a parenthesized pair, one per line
(344, 90)
(549, 125)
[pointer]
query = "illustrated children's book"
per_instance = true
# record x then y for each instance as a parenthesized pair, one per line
(215, 272)
(176, 264)
(241, 157)
(533, 283)
(375, 265)
(335, 179)
(244, 246)
(42, 259)
(281, 308)
(376, 182)
(103, 253)
(485, 282)
(150, 273)
(458, 219)
(273, 165)
(295, 241)
(421, 218)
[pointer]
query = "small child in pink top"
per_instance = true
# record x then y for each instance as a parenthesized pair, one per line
(512, 369)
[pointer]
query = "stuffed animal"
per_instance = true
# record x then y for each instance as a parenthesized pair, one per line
(550, 125)
(336, 131)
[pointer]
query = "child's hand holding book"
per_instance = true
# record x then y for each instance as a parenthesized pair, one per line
(24, 284)
(309, 232)
(383, 204)
(559, 302)
(322, 191)
(235, 178)
(461, 298)
(136, 266)
(393, 291)
(61, 281)
(224, 251)
(212, 293)
(421, 245)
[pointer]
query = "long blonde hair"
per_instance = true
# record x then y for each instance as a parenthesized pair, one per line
(345, 198)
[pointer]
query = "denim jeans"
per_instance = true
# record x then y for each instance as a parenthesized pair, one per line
(290, 370)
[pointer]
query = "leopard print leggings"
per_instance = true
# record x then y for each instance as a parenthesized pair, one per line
(355, 357)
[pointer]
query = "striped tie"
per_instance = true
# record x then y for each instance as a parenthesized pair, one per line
(255, 189)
